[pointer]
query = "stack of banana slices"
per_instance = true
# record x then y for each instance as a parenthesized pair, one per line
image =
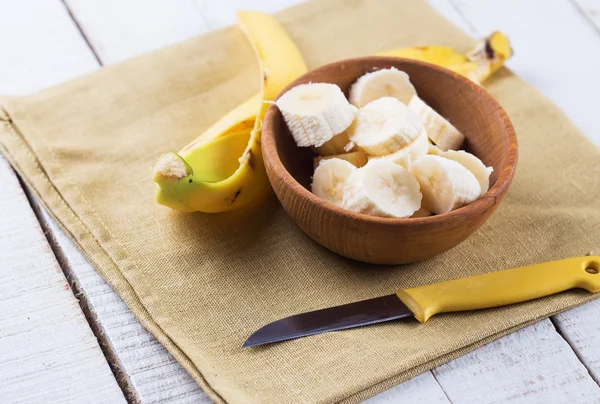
(383, 151)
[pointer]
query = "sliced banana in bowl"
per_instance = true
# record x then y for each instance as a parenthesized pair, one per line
(409, 153)
(315, 112)
(329, 180)
(384, 126)
(396, 171)
(382, 83)
(380, 176)
(439, 129)
(445, 184)
(382, 188)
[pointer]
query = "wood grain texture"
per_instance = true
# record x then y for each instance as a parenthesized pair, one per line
(47, 351)
(32, 31)
(552, 41)
(422, 389)
(532, 365)
(591, 9)
(580, 328)
(489, 135)
(118, 30)
(218, 14)
(152, 374)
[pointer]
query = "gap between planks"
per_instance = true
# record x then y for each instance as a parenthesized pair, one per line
(590, 11)
(111, 356)
(83, 35)
(561, 332)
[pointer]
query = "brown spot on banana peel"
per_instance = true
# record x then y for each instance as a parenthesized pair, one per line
(231, 200)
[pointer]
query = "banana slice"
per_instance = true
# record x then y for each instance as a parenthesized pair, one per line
(433, 149)
(382, 188)
(445, 184)
(315, 112)
(329, 179)
(406, 155)
(440, 131)
(357, 159)
(473, 164)
(336, 145)
(384, 126)
(381, 83)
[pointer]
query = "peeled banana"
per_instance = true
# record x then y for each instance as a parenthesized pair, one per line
(409, 153)
(315, 113)
(329, 179)
(222, 169)
(384, 126)
(445, 184)
(381, 83)
(382, 188)
(440, 131)
(338, 144)
(473, 164)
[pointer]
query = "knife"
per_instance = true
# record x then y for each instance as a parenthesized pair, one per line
(473, 293)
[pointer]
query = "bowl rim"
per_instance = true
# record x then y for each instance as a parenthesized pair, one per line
(490, 198)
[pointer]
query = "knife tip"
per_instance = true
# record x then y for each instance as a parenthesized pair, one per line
(248, 343)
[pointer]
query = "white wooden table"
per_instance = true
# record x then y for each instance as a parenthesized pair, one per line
(54, 349)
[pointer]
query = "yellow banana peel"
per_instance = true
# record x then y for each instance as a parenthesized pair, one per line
(223, 168)
(485, 58)
(437, 55)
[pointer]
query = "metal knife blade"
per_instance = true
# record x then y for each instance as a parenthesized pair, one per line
(365, 312)
(492, 289)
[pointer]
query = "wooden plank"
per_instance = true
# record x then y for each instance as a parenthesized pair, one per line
(452, 14)
(532, 365)
(580, 327)
(152, 374)
(48, 352)
(560, 62)
(423, 389)
(32, 31)
(149, 372)
(591, 9)
(119, 30)
(220, 14)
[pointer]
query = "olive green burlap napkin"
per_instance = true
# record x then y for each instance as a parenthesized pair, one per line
(202, 283)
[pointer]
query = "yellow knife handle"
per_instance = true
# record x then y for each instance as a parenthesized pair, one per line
(503, 287)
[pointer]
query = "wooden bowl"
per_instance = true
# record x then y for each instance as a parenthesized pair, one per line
(489, 135)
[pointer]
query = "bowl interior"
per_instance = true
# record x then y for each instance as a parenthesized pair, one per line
(467, 106)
